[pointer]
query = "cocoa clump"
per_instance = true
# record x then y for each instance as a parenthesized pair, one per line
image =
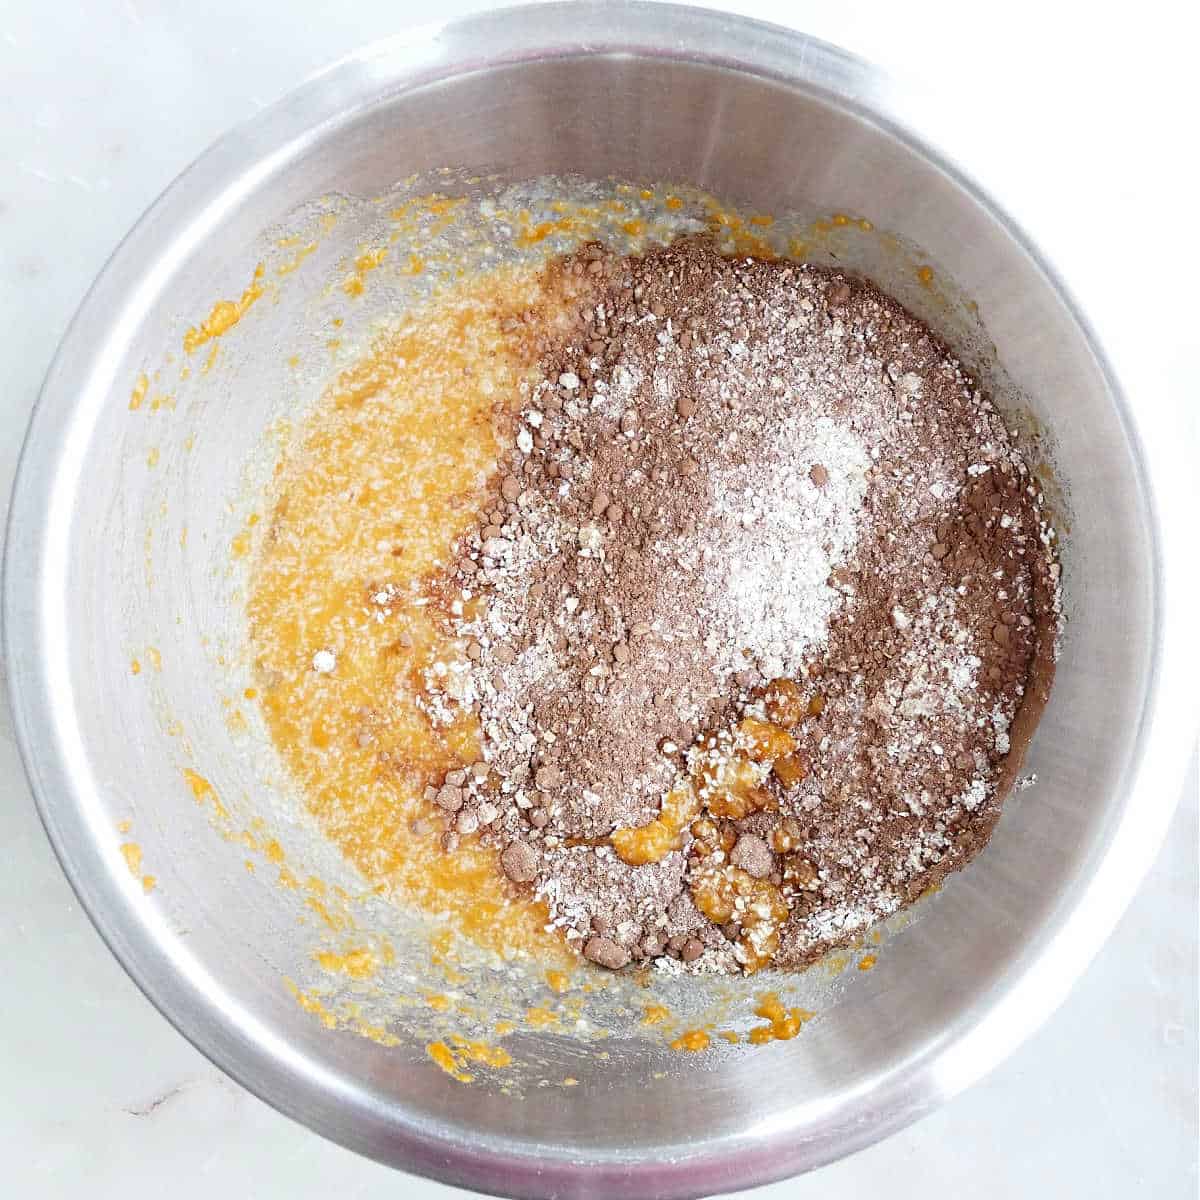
(605, 952)
(753, 855)
(520, 862)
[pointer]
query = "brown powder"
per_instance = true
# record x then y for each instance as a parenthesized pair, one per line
(733, 471)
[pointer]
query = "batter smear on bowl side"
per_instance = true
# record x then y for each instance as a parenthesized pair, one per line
(729, 634)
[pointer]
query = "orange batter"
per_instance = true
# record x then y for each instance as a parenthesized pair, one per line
(386, 477)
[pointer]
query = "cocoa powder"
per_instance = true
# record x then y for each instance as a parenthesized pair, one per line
(733, 471)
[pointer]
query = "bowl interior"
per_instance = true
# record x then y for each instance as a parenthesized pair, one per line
(133, 562)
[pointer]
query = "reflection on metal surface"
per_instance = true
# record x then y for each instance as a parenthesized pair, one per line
(779, 124)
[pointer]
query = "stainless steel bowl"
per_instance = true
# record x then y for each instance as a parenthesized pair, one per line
(753, 113)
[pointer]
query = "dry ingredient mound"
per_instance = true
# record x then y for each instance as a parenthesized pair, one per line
(756, 621)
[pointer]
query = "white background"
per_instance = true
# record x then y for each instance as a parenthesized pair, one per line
(1088, 125)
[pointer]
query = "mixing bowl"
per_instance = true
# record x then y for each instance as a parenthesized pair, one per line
(119, 550)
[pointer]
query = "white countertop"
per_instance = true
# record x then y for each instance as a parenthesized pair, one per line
(106, 102)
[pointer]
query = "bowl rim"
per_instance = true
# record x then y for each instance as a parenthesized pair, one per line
(83, 369)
